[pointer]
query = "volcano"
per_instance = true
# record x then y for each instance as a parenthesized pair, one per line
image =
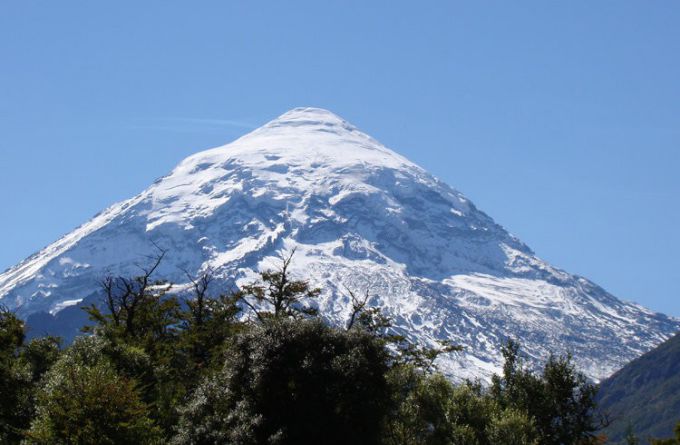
(360, 217)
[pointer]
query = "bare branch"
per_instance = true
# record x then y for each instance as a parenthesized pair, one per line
(255, 311)
(358, 305)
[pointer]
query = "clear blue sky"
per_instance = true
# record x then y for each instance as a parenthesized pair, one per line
(559, 119)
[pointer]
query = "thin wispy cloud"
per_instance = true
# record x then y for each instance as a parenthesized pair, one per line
(192, 124)
(211, 122)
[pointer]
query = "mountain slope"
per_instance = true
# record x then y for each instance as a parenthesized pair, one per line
(645, 394)
(360, 216)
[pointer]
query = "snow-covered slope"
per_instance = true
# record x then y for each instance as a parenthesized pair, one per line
(360, 216)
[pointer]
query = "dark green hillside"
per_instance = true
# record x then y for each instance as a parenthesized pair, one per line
(645, 394)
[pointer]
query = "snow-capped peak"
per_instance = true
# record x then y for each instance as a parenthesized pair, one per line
(310, 116)
(360, 216)
(304, 136)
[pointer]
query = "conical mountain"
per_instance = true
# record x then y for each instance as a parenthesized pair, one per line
(361, 217)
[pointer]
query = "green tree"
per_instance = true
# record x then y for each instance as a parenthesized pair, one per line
(84, 400)
(21, 367)
(292, 381)
(39, 355)
(512, 427)
(278, 294)
(206, 325)
(404, 352)
(12, 333)
(139, 318)
(13, 379)
(560, 400)
(429, 410)
(138, 310)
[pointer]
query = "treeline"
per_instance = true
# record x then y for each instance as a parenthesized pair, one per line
(155, 368)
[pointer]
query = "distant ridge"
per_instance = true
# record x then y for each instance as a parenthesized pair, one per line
(645, 394)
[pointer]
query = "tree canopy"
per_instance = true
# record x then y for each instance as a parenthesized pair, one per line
(259, 366)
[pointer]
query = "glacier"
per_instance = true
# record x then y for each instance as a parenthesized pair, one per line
(360, 217)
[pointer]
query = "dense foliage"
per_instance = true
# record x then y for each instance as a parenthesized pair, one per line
(560, 401)
(84, 399)
(22, 366)
(292, 382)
(157, 366)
